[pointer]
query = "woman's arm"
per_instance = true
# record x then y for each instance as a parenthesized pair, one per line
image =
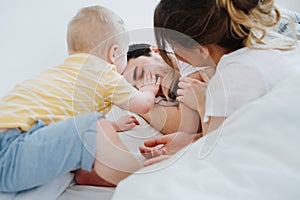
(193, 94)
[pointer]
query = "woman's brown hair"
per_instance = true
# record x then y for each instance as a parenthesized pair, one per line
(169, 85)
(230, 24)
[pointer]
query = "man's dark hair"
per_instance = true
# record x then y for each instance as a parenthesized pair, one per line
(137, 50)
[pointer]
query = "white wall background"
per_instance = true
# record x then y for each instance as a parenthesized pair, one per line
(290, 4)
(32, 32)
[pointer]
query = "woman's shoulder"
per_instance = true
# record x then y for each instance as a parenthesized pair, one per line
(271, 65)
(255, 57)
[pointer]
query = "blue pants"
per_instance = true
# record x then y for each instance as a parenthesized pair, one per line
(45, 152)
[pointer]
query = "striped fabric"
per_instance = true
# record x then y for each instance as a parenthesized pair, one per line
(82, 84)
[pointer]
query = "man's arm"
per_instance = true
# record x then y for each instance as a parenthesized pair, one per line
(170, 119)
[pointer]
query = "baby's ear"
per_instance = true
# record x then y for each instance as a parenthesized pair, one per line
(112, 54)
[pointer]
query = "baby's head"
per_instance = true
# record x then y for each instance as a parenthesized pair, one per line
(99, 31)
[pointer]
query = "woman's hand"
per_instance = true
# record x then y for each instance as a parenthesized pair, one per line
(125, 123)
(171, 144)
(192, 92)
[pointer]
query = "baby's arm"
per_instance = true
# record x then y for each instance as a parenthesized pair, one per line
(144, 100)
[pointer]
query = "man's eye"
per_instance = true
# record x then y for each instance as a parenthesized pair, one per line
(142, 74)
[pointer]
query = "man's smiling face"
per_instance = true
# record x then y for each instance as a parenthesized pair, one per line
(137, 67)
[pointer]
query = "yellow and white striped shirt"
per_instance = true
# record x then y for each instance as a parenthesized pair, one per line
(83, 83)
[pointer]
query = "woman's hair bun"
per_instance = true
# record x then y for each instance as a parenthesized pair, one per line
(245, 5)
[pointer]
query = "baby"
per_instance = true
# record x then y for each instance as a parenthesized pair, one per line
(49, 123)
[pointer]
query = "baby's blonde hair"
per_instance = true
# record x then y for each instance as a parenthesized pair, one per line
(93, 26)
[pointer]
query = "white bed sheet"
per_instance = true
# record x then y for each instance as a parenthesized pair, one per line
(49, 191)
(80, 192)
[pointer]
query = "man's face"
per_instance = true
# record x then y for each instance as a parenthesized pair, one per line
(137, 67)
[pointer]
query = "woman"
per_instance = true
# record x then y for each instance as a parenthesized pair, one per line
(235, 37)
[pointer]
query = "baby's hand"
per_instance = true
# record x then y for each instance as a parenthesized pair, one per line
(125, 123)
(149, 84)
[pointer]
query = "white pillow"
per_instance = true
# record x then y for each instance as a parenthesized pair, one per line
(256, 157)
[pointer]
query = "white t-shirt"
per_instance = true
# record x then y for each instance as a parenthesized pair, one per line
(245, 75)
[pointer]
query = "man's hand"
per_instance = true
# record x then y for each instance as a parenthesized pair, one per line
(171, 144)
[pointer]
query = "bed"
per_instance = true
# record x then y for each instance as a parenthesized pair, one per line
(256, 156)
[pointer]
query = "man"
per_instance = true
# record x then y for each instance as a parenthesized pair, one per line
(164, 116)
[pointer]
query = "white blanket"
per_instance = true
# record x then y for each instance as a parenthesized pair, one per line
(255, 157)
